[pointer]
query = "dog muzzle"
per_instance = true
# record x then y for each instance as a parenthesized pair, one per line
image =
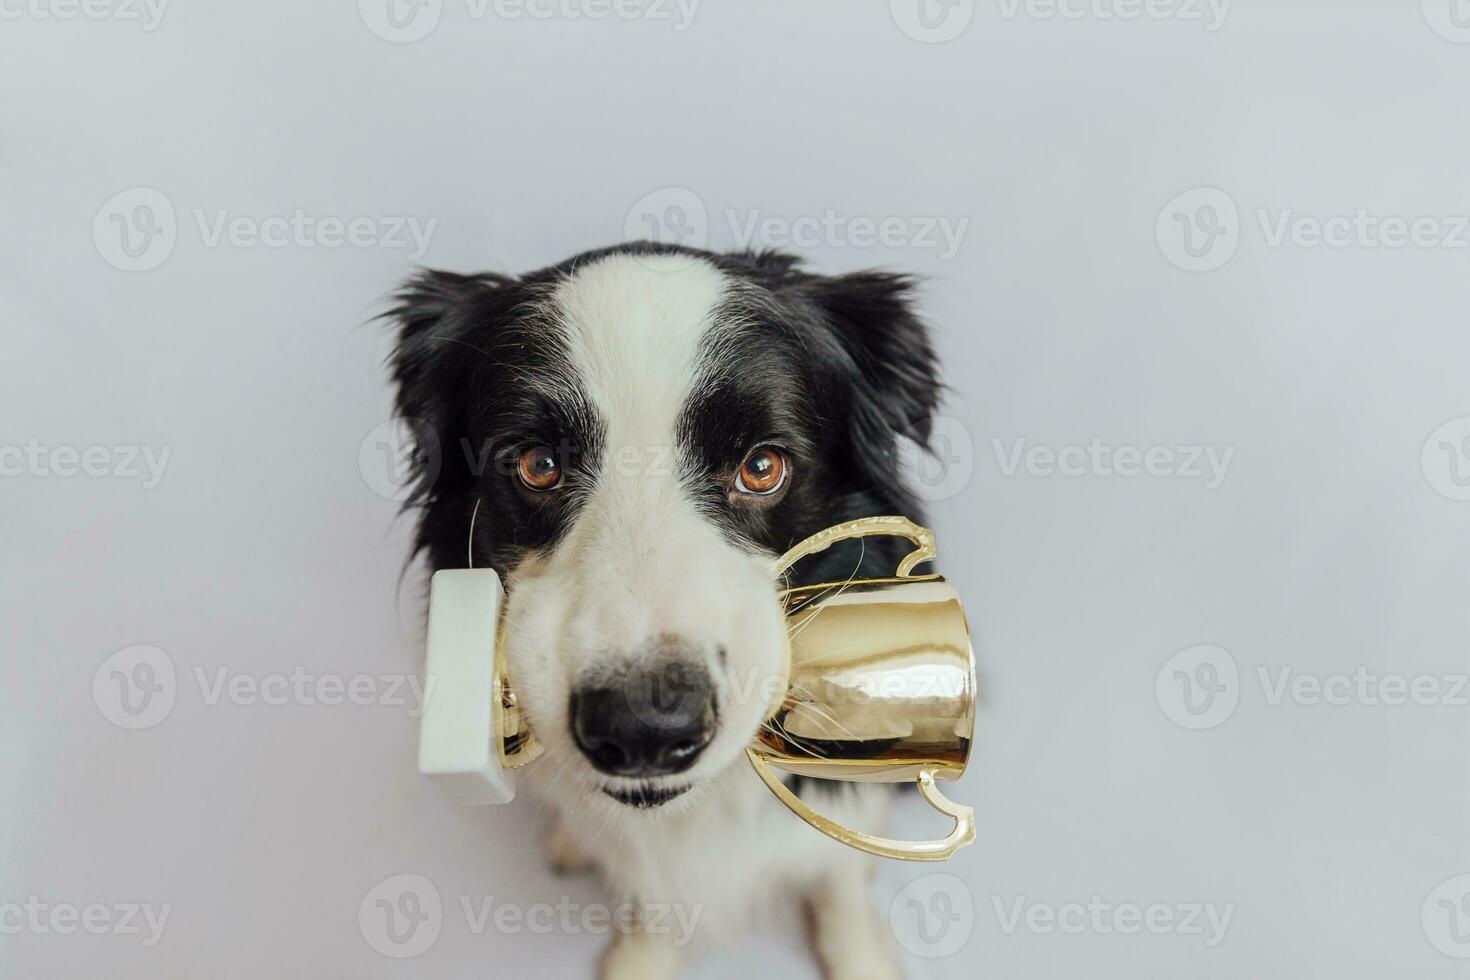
(879, 687)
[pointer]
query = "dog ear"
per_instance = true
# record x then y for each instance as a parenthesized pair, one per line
(439, 317)
(888, 369)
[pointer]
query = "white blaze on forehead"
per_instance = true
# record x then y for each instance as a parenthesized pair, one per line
(646, 560)
(641, 561)
(634, 329)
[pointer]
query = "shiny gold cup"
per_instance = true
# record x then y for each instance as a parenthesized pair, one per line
(881, 688)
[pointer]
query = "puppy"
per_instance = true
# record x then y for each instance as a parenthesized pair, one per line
(630, 438)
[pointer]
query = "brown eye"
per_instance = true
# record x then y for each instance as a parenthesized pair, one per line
(538, 469)
(762, 473)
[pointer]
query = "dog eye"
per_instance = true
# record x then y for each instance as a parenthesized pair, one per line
(539, 470)
(763, 472)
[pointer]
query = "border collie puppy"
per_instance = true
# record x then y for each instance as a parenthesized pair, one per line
(630, 438)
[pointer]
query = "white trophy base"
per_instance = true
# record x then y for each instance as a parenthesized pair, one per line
(457, 742)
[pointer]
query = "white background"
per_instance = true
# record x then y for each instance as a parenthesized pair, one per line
(1333, 541)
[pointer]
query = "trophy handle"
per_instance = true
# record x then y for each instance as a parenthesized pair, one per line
(865, 527)
(903, 850)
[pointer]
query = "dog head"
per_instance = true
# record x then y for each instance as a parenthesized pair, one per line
(629, 439)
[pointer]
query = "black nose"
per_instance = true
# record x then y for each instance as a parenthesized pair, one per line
(652, 719)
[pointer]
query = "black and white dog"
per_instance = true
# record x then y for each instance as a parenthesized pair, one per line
(629, 438)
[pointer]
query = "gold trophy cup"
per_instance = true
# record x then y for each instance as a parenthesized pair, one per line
(881, 688)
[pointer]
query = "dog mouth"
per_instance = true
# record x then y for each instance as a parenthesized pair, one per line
(645, 796)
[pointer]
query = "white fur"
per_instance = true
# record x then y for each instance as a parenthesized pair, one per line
(640, 561)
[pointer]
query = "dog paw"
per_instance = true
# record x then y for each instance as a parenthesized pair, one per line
(874, 962)
(639, 956)
(565, 855)
(850, 940)
(863, 971)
